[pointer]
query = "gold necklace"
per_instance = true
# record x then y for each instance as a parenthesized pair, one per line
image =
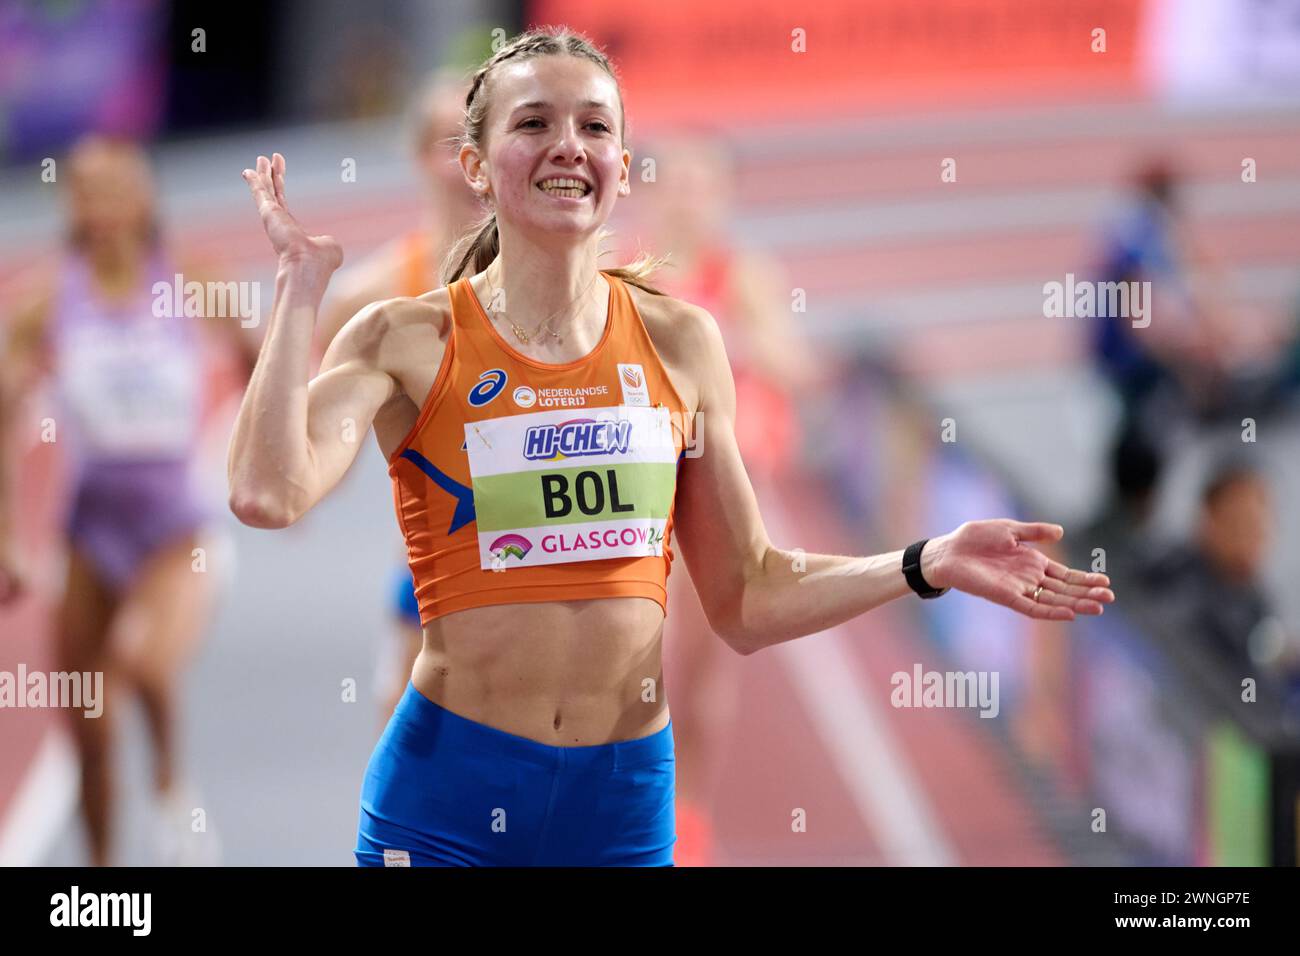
(520, 333)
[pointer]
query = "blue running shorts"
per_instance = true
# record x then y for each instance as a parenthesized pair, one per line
(442, 790)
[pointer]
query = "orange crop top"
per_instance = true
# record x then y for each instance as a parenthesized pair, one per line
(524, 481)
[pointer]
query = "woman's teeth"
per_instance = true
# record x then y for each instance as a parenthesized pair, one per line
(570, 188)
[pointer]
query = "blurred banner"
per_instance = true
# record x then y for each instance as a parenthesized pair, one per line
(69, 67)
(1229, 50)
(689, 62)
(693, 61)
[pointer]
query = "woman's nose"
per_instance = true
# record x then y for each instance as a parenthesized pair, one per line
(568, 144)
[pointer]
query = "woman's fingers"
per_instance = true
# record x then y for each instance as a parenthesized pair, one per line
(277, 178)
(1055, 569)
(1080, 603)
(1039, 609)
(1091, 593)
(267, 185)
(268, 180)
(1079, 598)
(258, 185)
(1065, 591)
(1036, 530)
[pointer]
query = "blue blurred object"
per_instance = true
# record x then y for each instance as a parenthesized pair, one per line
(405, 605)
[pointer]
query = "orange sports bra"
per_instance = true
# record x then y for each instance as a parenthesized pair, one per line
(524, 481)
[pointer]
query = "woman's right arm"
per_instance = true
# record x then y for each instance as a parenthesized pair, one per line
(295, 436)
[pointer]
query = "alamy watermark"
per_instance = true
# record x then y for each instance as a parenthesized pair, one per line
(128, 910)
(196, 300)
(928, 689)
(1085, 299)
(76, 690)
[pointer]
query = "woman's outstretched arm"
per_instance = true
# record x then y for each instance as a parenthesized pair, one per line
(286, 452)
(759, 594)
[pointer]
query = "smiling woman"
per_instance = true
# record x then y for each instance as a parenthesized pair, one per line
(535, 728)
(543, 85)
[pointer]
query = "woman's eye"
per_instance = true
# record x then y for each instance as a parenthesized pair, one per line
(535, 122)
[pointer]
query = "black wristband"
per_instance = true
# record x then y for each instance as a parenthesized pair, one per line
(912, 571)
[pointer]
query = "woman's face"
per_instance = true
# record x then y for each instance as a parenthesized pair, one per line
(109, 192)
(552, 117)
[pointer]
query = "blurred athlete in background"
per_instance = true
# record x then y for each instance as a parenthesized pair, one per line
(132, 378)
(771, 364)
(409, 266)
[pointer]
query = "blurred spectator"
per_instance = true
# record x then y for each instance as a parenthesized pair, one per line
(875, 469)
(1209, 591)
(1287, 382)
(1206, 355)
(773, 368)
(1120, 529)
(1142, 245)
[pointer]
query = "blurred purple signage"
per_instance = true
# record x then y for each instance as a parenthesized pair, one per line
(78, 65)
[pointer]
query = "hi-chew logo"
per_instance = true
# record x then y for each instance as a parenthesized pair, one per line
(578, 436)
(632, 380)
(489, 387)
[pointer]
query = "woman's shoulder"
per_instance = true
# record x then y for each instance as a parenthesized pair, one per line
(391, 331)
(687, 339)
(432, 308)
(674, 321)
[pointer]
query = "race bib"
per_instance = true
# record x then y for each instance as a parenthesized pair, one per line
(133, 391)
(552, 487)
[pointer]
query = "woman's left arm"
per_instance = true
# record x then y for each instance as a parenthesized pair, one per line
(756, 594)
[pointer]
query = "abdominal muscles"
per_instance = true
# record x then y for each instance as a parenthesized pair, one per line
(564, 673)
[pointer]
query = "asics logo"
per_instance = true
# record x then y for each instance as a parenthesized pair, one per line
(489, 387)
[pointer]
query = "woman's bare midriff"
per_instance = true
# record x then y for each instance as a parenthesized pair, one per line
(563, 673)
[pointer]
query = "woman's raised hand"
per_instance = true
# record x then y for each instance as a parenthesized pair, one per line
(994, 560)
(288, 238)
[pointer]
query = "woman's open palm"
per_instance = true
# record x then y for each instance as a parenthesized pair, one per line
(993, 560)
(288, 238)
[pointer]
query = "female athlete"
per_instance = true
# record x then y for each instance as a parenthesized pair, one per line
(132, 380)
(534, 412)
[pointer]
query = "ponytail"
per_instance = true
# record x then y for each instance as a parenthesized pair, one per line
(638, 271)
(472, 252)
